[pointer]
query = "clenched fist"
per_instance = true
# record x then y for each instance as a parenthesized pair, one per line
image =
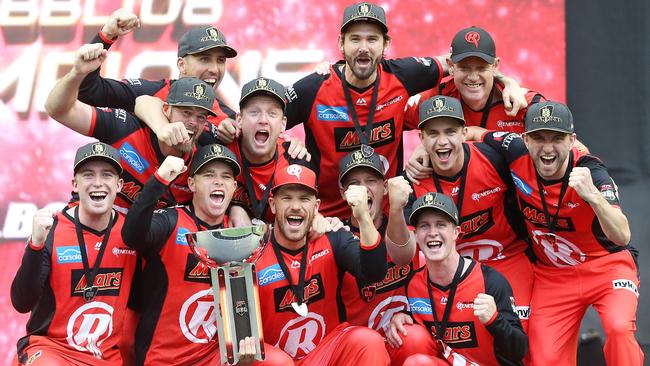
(41, 225)
(120, 23)
(171, 168)
(580, 180)
(399, 190)
(357, 198)
(484, 307)
(88, 58)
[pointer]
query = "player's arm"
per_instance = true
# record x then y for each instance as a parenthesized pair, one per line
(514, 96)
(301, 96)
(592, 182)
(143, 230)
(62, 104)
(400, 241)
(34, 270)
(495, 310)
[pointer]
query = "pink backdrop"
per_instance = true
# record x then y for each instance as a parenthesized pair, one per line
(281, 39)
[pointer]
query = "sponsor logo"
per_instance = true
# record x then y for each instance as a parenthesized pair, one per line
(381, 315)
(390, 102)
(476, 223)
(89, 326)
(454, 191)
(295, 263)
(181, 239)
(420, 305)
(270, 274)
(536, 217)
(361, 101)
(347, 139)
(291, 93)
(331, 113)
(508, 124)
(313, 291)
(241, 308)
(131, 190)
(120, 114)
(123, 251)
(559, 251)
(108, 282)
(481, 249)
(33, 357)
(523, 312)
(131, 156)
(478, 195)
(181, 188)
(133, 81)
(609, 192)
(524, 188)
(505, 143)
(98, 245)
(462, 305)
(195, 271)
(394, 278)
(443, 300)
(457, 334)
(301, 335)
(625, 285)
(572, 204)
(319, 254)
(70, 254)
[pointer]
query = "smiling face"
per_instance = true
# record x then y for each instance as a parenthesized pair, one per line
(443, 138)
(375, 184)
(194, 119)
(294, 207)
(549, 151)
(474, 79)
(97, 183)
(209, 66)
(262, 120)
(213, 186)
(436, 235)
(363, 46)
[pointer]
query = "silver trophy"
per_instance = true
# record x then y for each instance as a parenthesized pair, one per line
(231, 254)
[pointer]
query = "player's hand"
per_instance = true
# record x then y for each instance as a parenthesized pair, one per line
(580, 180)
(297, 149)
(484, 307)
(396, 327)
(357, 198)
(247, 350)
(322, 225)
(120, 23)
(228, 130)
(41, 224)
(173, 133)
(171, 168)
(514, 97)
(399, 190)
(238, 216)
(322, 68)
(418, 166)
(88, 58)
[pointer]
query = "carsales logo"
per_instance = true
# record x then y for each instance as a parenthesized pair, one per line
(197, 318)
(89, 326)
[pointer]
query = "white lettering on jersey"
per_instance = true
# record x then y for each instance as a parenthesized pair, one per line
(301, 335)
(481, 250)
(197, 318)
(562, 253)
(380, 317)
(89, 326)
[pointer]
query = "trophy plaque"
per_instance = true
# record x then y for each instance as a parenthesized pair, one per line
(230, 254)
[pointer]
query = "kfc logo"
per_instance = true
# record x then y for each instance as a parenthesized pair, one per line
(89, 326)
(301, 335)
(197, 318)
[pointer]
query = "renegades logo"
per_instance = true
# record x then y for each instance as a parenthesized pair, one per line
(313, 292)
(347, 139)
(536, 217)
(457, 334)
(108, 282)
(395, 275)
(195, 271)
(475, 224)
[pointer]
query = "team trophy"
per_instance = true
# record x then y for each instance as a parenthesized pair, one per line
(231, 254)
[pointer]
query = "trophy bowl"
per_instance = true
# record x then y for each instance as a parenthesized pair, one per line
(223, 247)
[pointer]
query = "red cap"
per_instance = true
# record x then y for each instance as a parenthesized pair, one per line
(295, 174)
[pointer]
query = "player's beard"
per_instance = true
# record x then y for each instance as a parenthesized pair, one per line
(295, 236)
(359, 72)
(187, 147)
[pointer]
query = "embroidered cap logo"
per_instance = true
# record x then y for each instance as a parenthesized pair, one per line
(294, 170)
(473, 38)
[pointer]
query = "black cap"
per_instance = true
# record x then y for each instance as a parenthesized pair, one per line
(212, 152)
(97, 151)
(440, 106)
(203, 38)
(473, 41)
(191, 92)
(364, 157)
(364, 12)
(434, 201)
(263, 85)
(549, 115)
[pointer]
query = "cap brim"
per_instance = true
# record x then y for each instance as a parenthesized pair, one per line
(276, 187)
(234, 164)
(360, 165)
(556, 129)
(462, 121)
(190, 104)
(383, 26)
(266, 92)
(107, 159)
(414, 215)
(487, 58)
(229, 51)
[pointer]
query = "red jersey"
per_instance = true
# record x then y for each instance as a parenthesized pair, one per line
(320, 103)
(327, 258)
(50, 284)
(372, 305)
(493, 117)
(178, 322)
(140, 155)
(501, 341)
(577, 236)
(491, 227)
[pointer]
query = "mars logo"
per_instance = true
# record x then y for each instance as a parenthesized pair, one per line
(108, 282)
(313, 291)
(301, 335)
(560, 251)
(381, 315)
(536, 217)
(195, 271)
(457, 334)
(476, 223)
(197, 318)
(481, 250)
(347, 139)
(395, 275)
(89, 326)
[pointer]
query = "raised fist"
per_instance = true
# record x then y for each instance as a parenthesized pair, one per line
(89, 57)
(41, 225)
(171, 168)
(120, 23)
